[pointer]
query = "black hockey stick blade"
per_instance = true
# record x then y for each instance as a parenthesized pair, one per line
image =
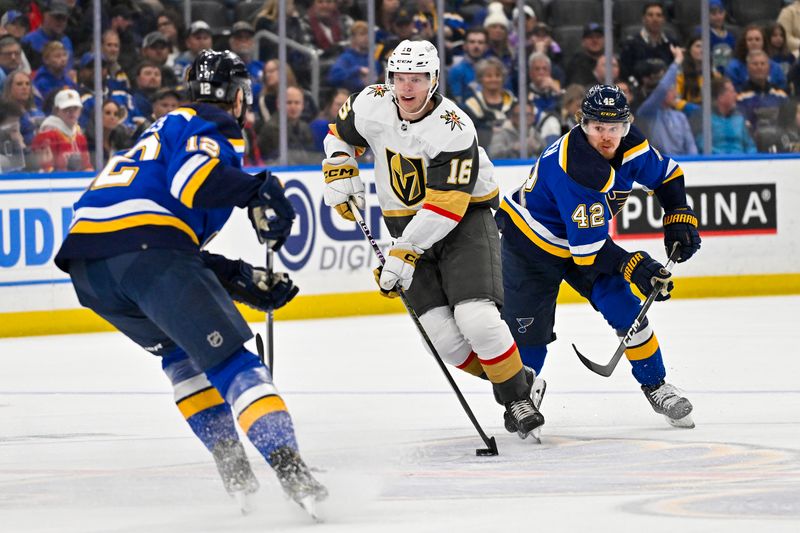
(260, 346)
(603, 370)
(490, 451)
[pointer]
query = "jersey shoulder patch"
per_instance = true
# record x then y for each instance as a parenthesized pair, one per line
(449, 127)
(371, 99)
(584, 164)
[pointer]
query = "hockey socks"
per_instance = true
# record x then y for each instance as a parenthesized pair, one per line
(246, 384)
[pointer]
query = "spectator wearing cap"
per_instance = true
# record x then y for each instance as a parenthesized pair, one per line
(326, 27)
(752, 39)
(461, 83)
(19, 91)
(242, 42)
(530, 23)
(402, 27)
(789, 18)
(86, 73)
(60, 143)
(54, 23)
(110, 47)
(121, 20)
(14, 24)
(156, 48)
(544, 91)
(198, 37)
(351, 68)
(729, 132)
(723, 41)
(497, 26)
(650, 42)
(581, 65)
(760, 101)
(53, 75)
(665, 127)
(10, 56)
(147, 81)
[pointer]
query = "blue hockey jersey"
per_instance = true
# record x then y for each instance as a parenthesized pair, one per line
(563, 209)
(175, 188)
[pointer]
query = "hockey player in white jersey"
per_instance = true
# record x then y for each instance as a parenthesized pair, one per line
(435, 187)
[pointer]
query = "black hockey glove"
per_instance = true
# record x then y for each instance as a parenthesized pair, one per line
(253, 287)
(270, 212)
(647, 274)
(680, 226)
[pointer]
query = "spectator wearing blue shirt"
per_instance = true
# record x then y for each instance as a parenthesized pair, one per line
(722, 41)
(544, 91)
(19, 90)
(148, 82)
(753, 39)
(729, 133)
(666, 128)
(320, 125)
(351, 68)
(243, 43)
(54, 23)
(461, 82)
(53, 75)
(760, 102)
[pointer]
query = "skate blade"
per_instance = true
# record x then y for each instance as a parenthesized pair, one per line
(244, 501)
(686, 422)
(309, 505)
(535, 434)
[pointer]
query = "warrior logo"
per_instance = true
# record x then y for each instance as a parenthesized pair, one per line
(378, 90)
(407, 177)
(616, 200)
(524, 323)
(453, 120)
(214, 339)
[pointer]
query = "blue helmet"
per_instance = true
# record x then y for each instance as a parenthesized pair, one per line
(605, 103)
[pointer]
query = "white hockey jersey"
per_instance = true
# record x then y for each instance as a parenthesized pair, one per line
(434, 161)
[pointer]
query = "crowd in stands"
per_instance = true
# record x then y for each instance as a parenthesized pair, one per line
(47, 70)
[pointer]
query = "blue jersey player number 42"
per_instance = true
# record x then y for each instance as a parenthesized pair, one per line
(556, 227)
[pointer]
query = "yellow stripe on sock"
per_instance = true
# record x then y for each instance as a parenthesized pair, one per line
(259, 408)
(644, 351)
(201, 401)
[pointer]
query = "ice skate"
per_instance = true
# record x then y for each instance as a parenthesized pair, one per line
(538, 387)
(667, 400)
(234, 469)
(297, 481)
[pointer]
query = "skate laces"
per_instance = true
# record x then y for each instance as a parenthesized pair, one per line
(666, 395)
(521, 409)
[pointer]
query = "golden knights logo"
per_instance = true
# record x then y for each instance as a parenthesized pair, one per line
(378, 90)
(407, 177)
(616, 200)
(452, 120)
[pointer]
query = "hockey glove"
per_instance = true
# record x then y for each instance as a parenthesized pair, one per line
(680, 226)
(342, 182)
(271, 213)
(390, 293)
(255, 288)
(399, 267)
(647, 274)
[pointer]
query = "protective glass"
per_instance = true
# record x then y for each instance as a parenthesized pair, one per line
(616, 130)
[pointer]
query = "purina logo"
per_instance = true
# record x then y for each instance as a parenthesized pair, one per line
(720, 209)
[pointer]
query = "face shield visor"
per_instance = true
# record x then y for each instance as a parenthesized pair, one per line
(614, 130)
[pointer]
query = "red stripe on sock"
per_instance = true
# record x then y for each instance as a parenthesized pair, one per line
(501, 357)
(471, 357)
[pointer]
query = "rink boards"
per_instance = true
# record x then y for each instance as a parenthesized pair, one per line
(747, 210)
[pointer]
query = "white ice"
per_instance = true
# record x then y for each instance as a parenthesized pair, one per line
(90, 440)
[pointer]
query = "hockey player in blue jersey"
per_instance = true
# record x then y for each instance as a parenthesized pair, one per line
(135, 255)
(555, 227)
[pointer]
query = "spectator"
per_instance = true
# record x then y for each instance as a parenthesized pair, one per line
(776, 47)
(497, 25)
(12, 145)
(666, 128)
(148, 81)
(267, 19)
(723, 40)
(298, 133)
(18, 90)
(789, 18)
(789, 121)
(599, 70)
(506, 140)
(53, 75)
(116, 135)
(542, 40)
(752, 39)
(121, 21)
(648, 74)
(319, 126)
(760, 102)
(689, 80)
(10, 56)
(168, 24)
(268, 98)
(54, 22)
(110, 47)
(651, 41)
(133, 117)
(156, 48)
(198, 38)
(326, 27)
(351, 68)
(461, 82)
(581, 64)
(242, 42)
(453, 27)
(729, 132)
(530, 23)
(571, 103)
(60, 144)
(16, 24)
(489, 107)
(385, 14)
(543, 91)
(402, 28)
(165, 101)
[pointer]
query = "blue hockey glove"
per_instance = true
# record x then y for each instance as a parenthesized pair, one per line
(647, 274)
(680, 226)
(253, 287)
(271, 213)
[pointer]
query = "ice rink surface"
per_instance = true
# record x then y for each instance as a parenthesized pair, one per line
(90, 439)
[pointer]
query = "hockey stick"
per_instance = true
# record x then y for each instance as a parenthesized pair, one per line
(269, 318)
(491, 445)
(606, 370)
